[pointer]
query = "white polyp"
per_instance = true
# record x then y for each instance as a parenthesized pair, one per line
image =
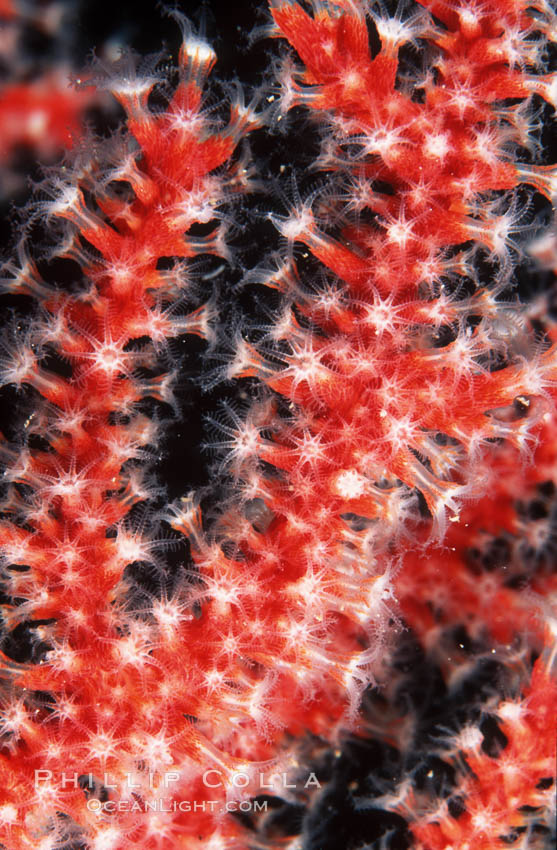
(349, 484)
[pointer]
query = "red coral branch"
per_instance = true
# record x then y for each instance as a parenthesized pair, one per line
(386, 390)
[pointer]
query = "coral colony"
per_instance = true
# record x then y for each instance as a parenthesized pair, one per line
(357, 649)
